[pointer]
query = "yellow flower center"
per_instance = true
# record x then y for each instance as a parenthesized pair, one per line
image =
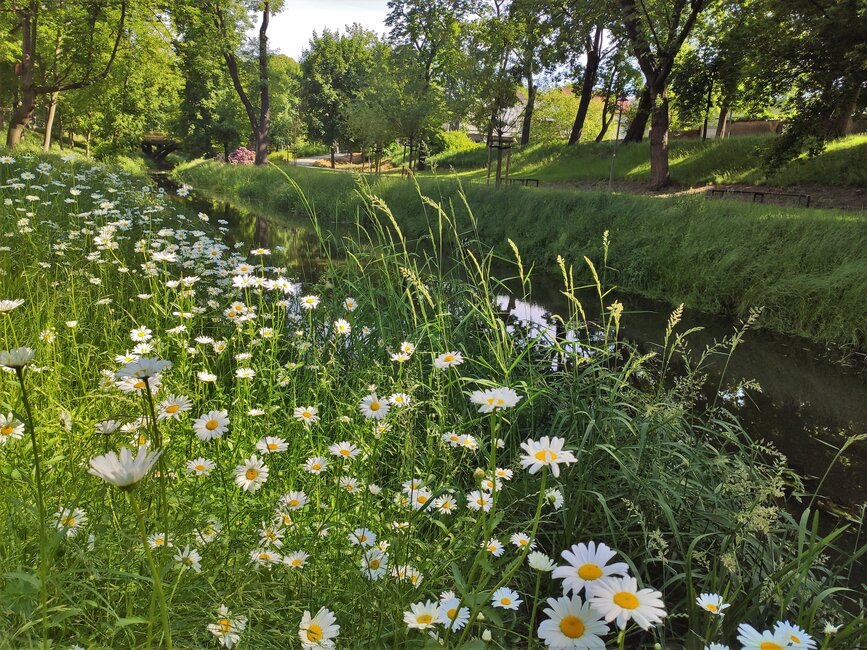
(273, 446)
(421, 498)
(139, 384)
(6, 430)
(293, 503)
(794, 639)
(296, 562)
(251, 473)
(314, 633)
(316, 466)
(159, 541)
(362, 538)
(424, 619)
(68, 522)
(374, 564)
(344, 452)
(173, 408)
(572, 627)
(307, 414)
(589, 572)
(505, 600)
(545, 456)
(200, 468)
(626, 600)
(452, 613)
(210, 425)
(374, 406)
(770, 645)
(264, 556)
(448, 358)
(492, 547)
(142, 440)
(225, 625)
(711, 607)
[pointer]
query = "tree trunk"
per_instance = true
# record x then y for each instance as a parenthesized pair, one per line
(531, 101)
(707, 108)
(264, 90)
(842, 120)
(87, 143)
(333, 149)
(594, 56)
(49, 121)
(722, 121)
(659, 176)
(23, 113)
(635, 131)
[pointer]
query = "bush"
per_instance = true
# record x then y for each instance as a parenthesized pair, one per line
(242, 156)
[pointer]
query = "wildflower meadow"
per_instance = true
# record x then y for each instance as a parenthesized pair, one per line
(197, 450)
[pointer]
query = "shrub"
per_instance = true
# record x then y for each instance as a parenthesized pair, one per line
(242, 156)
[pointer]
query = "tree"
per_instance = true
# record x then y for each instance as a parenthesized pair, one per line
(82, 43)
(335, 70)
(656, 32)
(231, 17)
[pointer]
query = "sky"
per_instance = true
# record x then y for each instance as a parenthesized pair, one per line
(291, 29)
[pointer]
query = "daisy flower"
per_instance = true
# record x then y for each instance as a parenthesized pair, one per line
(228, 628)
(522, 540)
(620, 599)
(10, 428)
(271, 536)
(448, 360)
(494, 547)
(307, 414)
(189, 558)
(16, 358)
(172, 407)
(316, 464)
(294, 500)
(373, 407)
(200, 466)
(422, 616)
(587, 563)
(362, 537)
(212, 424)
(572, 623)
(400, 399)
(309, 302)
(272, 445)
(251, 474)
(245, 373)
(451, 616)
(478, 500)
(505, 598)
(318, 632)
(344, 449)
(540, 562)
(342, 327)
(158, 540)
(420, 498)
(374, 563)
(264, 557)
(712, 603)
(140, 334)
(797, 637)
(752, 639)
(545, 452)
(445, 504)
(70, 520)
(349, 304)
(493, 399)
(296, 559)
(123, 470)
(349, 484)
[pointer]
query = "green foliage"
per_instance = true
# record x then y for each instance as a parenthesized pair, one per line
(677, 487)
(706, 254)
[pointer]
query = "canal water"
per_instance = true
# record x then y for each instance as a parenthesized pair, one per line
(809, 403)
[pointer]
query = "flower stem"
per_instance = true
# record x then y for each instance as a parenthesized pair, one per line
(40, 503)
(535, 609)
(158, 584)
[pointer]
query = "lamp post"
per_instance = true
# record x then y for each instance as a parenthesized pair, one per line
(621, 102)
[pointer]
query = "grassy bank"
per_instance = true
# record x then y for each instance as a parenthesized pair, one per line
(279, 485)
(807, 268)
(693, 162)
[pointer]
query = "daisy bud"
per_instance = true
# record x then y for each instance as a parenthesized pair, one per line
(479, 473)
(486, 635)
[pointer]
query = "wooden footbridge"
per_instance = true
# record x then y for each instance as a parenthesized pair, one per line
(158, 145)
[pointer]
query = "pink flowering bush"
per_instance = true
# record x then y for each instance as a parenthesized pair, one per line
(242, 156)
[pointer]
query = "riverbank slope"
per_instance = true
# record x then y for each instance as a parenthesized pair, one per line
(806, 268)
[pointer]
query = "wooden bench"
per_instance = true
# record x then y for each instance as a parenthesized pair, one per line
(525, 181)
(759, 195)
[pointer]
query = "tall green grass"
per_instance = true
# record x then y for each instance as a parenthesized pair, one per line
(693, 162)
(678, 488)
(806, 268)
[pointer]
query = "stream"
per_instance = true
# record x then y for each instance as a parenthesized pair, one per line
(808, 405)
